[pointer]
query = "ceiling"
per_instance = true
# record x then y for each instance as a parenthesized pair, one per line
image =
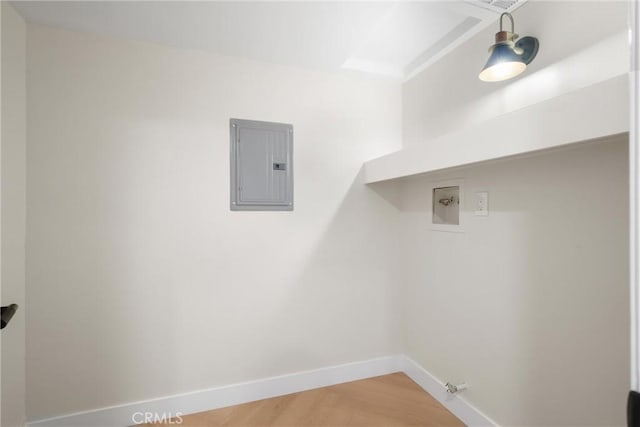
(390, 38)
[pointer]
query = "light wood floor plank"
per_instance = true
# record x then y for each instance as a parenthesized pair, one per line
(386, 401)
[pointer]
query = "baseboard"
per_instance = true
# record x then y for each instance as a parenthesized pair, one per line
(462, 409)
(220, 397)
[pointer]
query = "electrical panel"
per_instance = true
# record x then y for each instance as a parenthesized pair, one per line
(261, 165)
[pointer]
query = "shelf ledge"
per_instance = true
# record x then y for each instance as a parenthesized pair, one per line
(593, 112)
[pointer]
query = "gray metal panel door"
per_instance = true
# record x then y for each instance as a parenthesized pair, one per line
(261, 165)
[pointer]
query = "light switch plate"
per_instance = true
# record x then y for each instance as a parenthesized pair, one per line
(481, 204)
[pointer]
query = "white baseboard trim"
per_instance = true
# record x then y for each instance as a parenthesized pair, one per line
(234, 394)
(458, 406)
(220, 397)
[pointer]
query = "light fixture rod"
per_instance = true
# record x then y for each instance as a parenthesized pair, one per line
(510, 18)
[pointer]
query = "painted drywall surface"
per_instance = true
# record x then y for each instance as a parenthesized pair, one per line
(534, 297)
(448, 95)
(600, 110)
(141, 282)
(530, 304)
(13, 212)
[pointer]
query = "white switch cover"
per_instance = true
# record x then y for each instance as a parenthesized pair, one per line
(482, 204)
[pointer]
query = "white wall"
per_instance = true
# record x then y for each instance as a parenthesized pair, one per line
(533, 298)
(448, 96)
(530, 304)
(141, 282)
(166, 291)
(13, 213)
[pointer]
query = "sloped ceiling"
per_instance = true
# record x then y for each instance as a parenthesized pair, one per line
(391, 38)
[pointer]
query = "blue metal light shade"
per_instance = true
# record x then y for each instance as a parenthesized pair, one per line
(508, 58)
(503, 64)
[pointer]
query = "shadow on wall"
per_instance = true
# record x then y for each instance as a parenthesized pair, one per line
(129, 220)
(166, 282)
(343, 304)
(529, 305)
(390, 190)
